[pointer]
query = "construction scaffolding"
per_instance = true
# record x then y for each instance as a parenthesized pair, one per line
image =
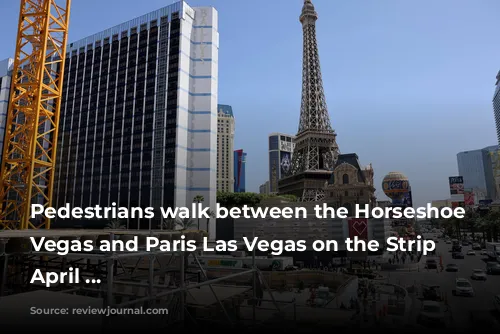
(143, 279)
(28, 160)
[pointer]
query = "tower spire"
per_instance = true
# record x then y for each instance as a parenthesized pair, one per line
(313, 109)
(316, 149)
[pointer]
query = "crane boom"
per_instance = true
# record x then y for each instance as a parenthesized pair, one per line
(29, 153)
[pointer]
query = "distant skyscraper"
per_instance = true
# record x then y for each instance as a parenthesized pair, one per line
(496, 106)
(264, 188)
(316, 150)
(138, 114)
(280, 158)
(240, 161)
(5, 79)
(477, 169)
(225, 148)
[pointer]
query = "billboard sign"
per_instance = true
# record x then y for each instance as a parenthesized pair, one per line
(395, 186)
(456, 185)
(469, 198)
(285, 163)
(485, 202)
(358, 227)
(407, 199)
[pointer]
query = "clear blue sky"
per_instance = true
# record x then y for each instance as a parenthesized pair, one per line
(408, 83)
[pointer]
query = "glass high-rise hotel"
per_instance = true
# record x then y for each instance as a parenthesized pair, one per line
(478, 170)
(240, 162)
(496, 106)
(139, 114)
(281, 148)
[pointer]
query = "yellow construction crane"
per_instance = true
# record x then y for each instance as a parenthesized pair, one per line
(29, 153)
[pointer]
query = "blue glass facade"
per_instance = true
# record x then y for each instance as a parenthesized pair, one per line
(476, 167)
(240, 160)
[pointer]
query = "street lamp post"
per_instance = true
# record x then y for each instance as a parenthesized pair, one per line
(198, 199)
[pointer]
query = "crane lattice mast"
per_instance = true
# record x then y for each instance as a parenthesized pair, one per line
(29, 153)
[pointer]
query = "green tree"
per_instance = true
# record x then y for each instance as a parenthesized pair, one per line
(287, 197)
(198, 199)
(185, 223)
(481, 224)
(231, 200)
(212, 215)
(115, 224)
(449, 225)
(492, 225)
(168, 224)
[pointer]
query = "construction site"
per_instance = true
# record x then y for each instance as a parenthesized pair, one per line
(192, 294)
(160, 289)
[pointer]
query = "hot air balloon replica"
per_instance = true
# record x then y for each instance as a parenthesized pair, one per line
(396, 186)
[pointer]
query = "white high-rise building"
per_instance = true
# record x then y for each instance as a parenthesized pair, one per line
(225, 149)
(5, 80)
(139, 114)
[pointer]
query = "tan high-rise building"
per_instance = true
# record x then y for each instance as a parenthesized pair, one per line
(225, 148)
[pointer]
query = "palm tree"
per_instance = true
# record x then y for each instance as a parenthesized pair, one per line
(481, 224)
(184, 223)
(493, 225)
(448, 226)
(115, 224)
(198, 199)
(212, 215)
(168, 224)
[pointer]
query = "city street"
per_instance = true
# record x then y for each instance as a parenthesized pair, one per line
(459, 307)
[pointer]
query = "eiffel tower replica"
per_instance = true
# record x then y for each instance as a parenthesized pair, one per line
(316, 151)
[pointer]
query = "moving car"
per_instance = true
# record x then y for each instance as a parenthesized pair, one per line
(463, 288)
(432, 314)
(478, 275)
(432, 293)
(484, 252)
(493, 268)
(471, 252)
(431, 264)
(458, 255)
(476, 246)
(452, 267)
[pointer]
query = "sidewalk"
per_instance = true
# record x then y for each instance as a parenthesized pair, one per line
(410, 266)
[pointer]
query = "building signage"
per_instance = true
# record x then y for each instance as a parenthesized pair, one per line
(456, 185)
(456, 179)
(396, 185)
(285, 146)
(358, 227)
(469, 198)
